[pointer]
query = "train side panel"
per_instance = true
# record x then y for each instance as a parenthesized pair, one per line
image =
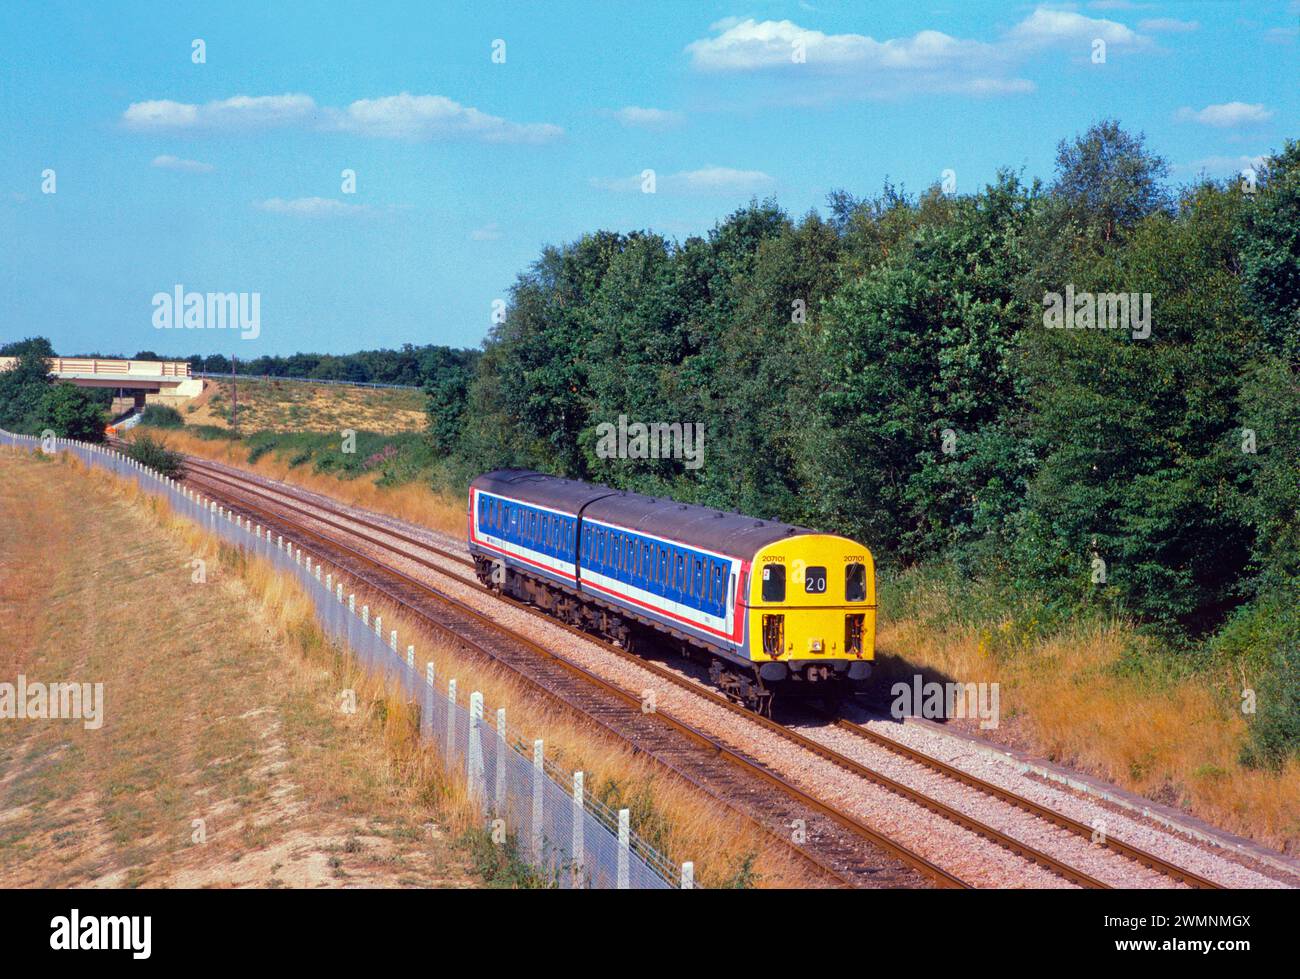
(529, 537)
(688, 590)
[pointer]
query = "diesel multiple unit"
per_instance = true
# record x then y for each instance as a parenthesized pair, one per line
(778, 607)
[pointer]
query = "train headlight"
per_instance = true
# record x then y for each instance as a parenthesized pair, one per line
(815, 646)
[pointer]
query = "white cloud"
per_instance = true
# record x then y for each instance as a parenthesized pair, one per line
(1047, 27)
(656, 119)
(1168, 25)
(309, 207)
(168, 162)
(750, 45)
(929, 60)
(403, 116)
(407, 116)
(1228, 115)
(489, 232)
(237, 113)
(707, 180)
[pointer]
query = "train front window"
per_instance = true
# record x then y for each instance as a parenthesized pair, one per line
(855, 582)
(774, 582)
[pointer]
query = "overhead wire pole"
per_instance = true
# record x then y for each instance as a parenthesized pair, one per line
(234, 397)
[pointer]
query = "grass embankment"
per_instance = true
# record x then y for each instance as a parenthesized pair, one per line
(671, 815)
(218, 706)
(300, 406)
(1099, 696)
(390, 474)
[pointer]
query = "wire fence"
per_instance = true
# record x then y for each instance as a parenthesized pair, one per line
(547, 816)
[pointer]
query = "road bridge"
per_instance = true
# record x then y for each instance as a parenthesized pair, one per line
(171, 380)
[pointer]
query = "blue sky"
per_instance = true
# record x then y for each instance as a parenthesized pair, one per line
(226, 175)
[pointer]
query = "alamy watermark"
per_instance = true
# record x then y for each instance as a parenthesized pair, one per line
(53, 701)
(102, 932)
(1098, 311)
(181, 310)
(945, 701)
(651, 440)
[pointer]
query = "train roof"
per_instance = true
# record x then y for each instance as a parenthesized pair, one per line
(732, 534)
(569, 495)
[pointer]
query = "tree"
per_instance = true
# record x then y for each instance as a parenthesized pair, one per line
(36, 346)
(23, 387)
(1106, 181)
(72, 413)
(1270, 252)
(1134, 500)
(916, 442)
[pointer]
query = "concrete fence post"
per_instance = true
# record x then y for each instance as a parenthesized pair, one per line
(624, 847)
(688, 875)
(365, 615)
(392, 640)
(474, 749)
(451, 719)
(579, 829)
(502, 748)
(352, 601)
(539, 773)
(428, 698)
(379, 626)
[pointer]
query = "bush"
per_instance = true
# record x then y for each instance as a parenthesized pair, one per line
(72, 413)
(1263, 638)
(155, 454)
(1275, 728)
(161, 416)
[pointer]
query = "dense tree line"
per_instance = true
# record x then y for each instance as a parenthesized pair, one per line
(411, 365)
(889, 371)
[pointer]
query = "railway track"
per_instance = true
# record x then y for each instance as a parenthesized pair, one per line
(839, 846)
(223, 481)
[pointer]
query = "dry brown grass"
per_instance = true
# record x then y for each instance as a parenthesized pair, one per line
(1176, 741)
(213, 712)
(412, 502)
(299, 406)
(674, 816)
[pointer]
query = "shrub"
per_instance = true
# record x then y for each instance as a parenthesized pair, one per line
(161, 416)
(155, 454)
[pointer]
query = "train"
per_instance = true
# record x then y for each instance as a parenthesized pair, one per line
(775, 609)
